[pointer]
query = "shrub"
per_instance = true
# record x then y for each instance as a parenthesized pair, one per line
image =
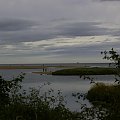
(108, 97)
(104, 93)
(33, 105)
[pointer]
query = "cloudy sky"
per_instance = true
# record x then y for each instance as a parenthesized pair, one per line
(56, 31)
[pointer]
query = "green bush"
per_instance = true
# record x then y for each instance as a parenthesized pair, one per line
(108, 97)
(87, 71)
(104, 93)
(16, 104)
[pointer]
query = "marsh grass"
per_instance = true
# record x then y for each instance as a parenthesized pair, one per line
(87, 71)
(104, 92)
(108, 97)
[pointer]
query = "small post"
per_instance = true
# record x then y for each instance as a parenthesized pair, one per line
(43, 68)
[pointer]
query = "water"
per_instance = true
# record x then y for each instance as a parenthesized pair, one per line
(67, 84)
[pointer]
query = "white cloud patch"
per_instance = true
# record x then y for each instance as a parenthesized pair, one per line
(79, 41)
(10, 47)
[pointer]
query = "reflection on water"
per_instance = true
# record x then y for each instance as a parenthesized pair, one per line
(67, 84)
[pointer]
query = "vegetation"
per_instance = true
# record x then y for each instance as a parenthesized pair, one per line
(87, 71)
(18, 104)
(113, 56)
(104, 94)
(34, 105)
(107, 96)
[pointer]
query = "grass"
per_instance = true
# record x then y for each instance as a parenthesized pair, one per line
(35, 105)
(108, 97)
(104, 93)
(87, 71)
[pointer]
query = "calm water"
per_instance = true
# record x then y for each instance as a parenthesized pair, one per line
(67, 84)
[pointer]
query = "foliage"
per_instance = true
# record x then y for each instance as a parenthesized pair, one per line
(105, 98)
(7, 87)
(112, 55)
(104, 94)
(87, 71)
(17, 104)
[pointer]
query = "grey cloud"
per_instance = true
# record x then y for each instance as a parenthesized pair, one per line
(109, 0)
(29, 21)
(24, 54)
(15, 24)
(77, 51)
(83, 29)
(89, 50)
(26, 36)
(16, 31)
(77, 1)
(116, 33)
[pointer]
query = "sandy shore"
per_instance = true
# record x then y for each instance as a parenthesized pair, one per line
(22, 67)
(31, 67)
(42, 73)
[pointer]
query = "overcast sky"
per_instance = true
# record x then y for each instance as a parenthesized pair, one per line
(56, 31)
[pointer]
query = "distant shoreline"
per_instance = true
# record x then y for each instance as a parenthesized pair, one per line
(32, 67)
(44, 65)
(64, 69)
(21, 67)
